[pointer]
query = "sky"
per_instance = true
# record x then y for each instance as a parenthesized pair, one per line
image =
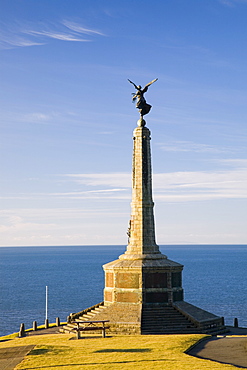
(67, 119)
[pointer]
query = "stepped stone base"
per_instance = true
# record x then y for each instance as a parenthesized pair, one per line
(165, 320)
(124, 318)
(205, 321)
(127, 318)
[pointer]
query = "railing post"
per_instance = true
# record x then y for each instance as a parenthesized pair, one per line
(235, 322)
(34, 325)
(22, 330)
(46, 323)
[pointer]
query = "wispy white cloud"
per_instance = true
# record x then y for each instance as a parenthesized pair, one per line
(29, 34)
(79, 29)
(120, 193)
(121, 180)
(11, 40)
(189, 146)
(88, 194)
(191, 186)
(203, 55)
(33, 227)
(20, 215)
(56, 35)
(183, 186)
(231, 3)
(46, 116)
(180, 186)
(236, 163)
(37, 117)
(14, 223)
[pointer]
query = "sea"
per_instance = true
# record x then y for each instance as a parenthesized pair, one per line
(214, 279)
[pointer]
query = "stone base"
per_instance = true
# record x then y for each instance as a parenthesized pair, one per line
(143, 279)
(178, 318)
(205, 321)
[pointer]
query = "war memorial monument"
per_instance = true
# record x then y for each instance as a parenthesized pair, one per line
(143, 291)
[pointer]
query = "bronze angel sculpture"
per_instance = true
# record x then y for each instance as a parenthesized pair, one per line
(141, 103)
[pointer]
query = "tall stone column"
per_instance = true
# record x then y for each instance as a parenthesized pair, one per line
(142, 229)
(142, 275)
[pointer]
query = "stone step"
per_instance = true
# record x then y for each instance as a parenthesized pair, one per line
(161, 317)
(167, 323)
(87, 316)
(90, 313)
(83, 318)
(164, 323)
(170, 331)
(69, 325)
(99, 309)
(66, 329)
(148, 327)
(165, 320)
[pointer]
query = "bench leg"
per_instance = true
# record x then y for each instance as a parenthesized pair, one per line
(78, 335)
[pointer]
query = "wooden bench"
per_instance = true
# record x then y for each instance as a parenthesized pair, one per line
(90, 325)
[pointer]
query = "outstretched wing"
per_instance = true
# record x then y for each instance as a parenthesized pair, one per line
(145, 89)
(133, 84)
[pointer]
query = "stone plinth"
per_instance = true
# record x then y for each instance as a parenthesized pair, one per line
(143, 281)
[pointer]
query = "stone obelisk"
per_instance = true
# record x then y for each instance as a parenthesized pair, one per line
(142, 275)
(143, 289)
(141, 227)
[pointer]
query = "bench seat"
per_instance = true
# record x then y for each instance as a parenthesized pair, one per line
(91, 328)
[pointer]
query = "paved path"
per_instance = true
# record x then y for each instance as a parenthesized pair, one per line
(227, 349)
(12, 356)
(53, 330)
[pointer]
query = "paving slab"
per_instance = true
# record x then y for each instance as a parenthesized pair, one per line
(12, 356)
(228, 349)
(52, 330)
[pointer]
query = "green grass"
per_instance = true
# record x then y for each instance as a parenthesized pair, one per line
(62, 351)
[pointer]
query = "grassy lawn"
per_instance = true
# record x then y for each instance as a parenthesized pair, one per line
(62, 351)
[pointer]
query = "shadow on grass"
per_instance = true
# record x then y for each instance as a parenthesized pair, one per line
(39, 351)
(123, 350)
(88, 337)
(101, 363)
(54, 350)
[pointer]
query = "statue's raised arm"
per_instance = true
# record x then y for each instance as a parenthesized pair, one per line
(141, 103)
(145, 89)
(136, 87)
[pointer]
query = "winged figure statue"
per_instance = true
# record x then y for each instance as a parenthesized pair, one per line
(138, 96)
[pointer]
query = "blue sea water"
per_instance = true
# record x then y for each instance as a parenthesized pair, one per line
(214, 278)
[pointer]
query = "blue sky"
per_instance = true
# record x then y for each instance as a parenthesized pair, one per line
(67, 119)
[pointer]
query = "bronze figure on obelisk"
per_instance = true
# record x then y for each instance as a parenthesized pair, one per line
(141, 104)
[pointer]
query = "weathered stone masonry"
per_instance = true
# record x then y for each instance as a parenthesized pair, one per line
(142, 275)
